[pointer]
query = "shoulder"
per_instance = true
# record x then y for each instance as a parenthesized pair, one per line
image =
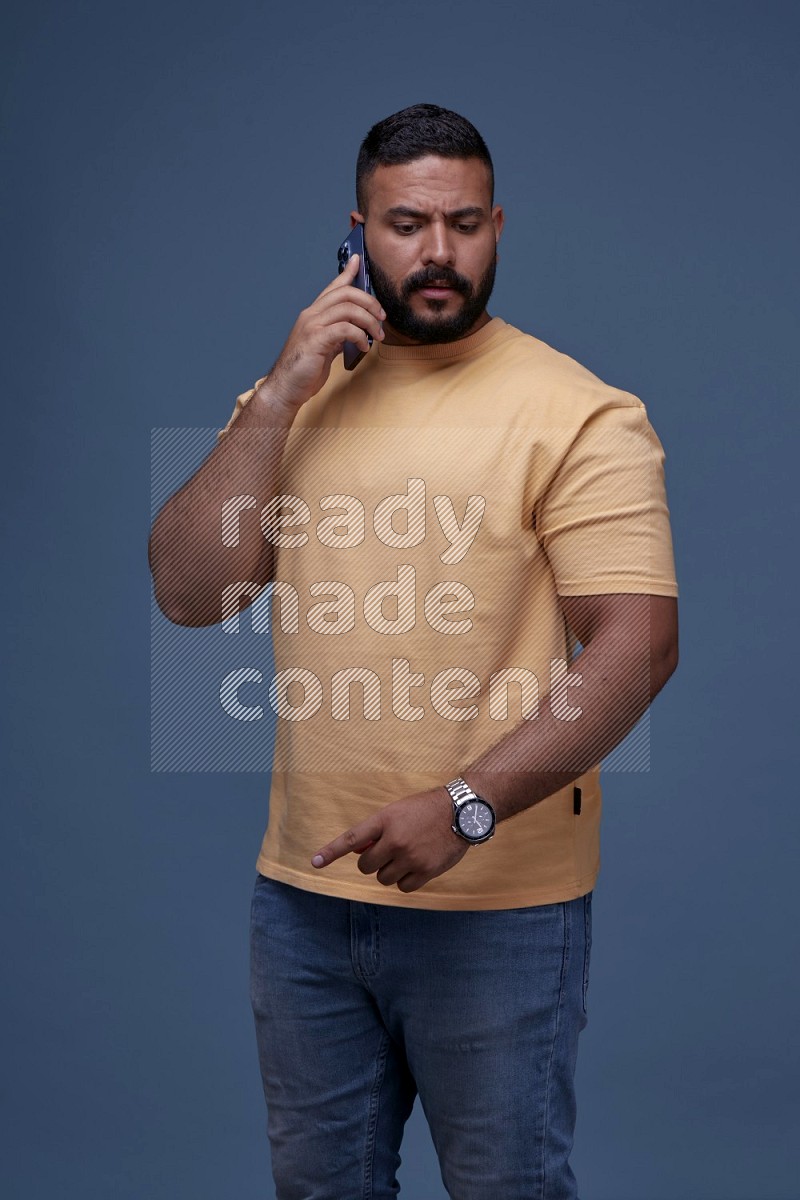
(554, 383)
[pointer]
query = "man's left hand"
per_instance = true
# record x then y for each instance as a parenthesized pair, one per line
(409, 842)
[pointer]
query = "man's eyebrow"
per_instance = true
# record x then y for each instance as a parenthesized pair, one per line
(401, 210)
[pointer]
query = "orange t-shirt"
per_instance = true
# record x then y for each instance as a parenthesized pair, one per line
(434, 504)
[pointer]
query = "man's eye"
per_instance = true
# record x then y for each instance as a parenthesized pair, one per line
(466, 228)
(405, 228)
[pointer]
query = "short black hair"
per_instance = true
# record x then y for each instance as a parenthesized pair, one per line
(413, 133)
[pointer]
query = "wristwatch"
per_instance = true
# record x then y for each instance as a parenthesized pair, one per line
(474, 818)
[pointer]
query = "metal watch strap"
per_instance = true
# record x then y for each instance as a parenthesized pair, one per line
(460, 791)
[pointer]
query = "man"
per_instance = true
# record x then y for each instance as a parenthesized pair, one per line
(441, 527)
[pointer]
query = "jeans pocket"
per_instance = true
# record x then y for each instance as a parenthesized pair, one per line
(587, 920)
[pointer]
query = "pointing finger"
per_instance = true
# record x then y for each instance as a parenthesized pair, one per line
(354, 841)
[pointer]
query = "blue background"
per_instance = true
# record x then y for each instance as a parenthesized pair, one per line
(177, 178)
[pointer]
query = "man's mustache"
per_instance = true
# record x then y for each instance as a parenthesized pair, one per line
(440, 278)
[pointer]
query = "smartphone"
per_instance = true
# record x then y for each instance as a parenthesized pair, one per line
(354, 244)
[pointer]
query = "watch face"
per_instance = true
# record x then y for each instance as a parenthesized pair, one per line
(475, 819)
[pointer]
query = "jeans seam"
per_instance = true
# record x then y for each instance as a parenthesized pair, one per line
(562, 984)
(372, 1118)
(587, 944)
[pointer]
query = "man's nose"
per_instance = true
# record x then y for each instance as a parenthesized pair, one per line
(437, 247)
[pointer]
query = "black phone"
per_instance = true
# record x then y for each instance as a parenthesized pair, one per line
(354, 244)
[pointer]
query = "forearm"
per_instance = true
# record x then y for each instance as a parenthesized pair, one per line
(190, 562)
(618, 679)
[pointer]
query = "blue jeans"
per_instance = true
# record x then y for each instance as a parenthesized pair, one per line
(358, 1007)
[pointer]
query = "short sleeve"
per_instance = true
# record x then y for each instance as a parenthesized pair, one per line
(603, 519)
(240, 403)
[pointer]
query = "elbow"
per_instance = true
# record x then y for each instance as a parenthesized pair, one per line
(662, 666)
(190, 613)
(171, 602)
(169, 605)
(663, 641)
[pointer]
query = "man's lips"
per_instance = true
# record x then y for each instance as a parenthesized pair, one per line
(436, 292)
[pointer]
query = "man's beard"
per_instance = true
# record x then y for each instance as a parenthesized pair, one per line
(401, 316)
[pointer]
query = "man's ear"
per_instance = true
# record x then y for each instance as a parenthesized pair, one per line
(356, 218)
(498, 220)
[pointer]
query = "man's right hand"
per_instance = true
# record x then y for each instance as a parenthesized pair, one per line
(192, 568)
(341, 313)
